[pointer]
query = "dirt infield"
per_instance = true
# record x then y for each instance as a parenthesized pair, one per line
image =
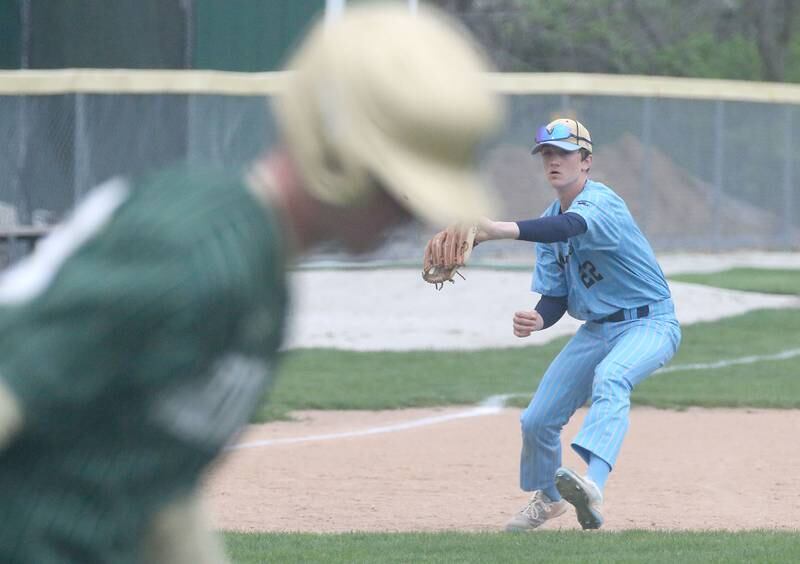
(695, 469)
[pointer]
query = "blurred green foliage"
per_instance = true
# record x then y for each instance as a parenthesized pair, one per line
(732, 39)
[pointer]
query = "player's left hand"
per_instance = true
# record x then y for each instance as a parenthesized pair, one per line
(526, 322)
(446, 252)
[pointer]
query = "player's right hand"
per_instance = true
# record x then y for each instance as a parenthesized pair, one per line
(526, 322)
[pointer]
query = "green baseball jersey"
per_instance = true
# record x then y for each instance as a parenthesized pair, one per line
(138, 338)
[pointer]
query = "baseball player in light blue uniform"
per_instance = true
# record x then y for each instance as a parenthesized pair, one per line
(593, 261)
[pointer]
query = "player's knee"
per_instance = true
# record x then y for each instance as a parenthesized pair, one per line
(537, 422)
(609, 384)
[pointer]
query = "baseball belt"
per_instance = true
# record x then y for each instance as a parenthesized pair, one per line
(642, 311)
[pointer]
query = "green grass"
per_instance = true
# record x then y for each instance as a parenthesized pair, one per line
(766, 384)
(749, 279)
(329, 379)
(543, 546)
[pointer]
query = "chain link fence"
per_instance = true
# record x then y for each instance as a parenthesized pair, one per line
(699, 173)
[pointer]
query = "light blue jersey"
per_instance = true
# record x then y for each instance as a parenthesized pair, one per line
(608, 268)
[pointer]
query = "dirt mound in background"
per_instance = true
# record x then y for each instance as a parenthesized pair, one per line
(679, 204)
(676, 207)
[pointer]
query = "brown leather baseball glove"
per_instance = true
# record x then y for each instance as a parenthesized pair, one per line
(446, 252)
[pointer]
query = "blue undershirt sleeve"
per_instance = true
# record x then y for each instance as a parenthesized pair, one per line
(552, 228)
(551, 308)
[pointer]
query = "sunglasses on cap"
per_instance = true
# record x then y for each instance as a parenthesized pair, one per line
(560, 132)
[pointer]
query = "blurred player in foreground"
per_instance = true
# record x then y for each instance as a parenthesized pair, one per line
(594, 262)
(143, 333)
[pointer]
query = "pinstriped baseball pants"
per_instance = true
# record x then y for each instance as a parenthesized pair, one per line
(604, 362)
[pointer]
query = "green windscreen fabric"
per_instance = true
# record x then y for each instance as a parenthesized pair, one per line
(256, 36)
(103, 34)
(9, 35)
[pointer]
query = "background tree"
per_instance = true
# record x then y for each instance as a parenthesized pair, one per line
(738, 39)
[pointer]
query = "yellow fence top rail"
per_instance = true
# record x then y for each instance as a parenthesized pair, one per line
(135, 81)
(646, 86)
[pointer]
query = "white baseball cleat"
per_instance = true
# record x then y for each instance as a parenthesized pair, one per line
(539, 509)
(583, 494)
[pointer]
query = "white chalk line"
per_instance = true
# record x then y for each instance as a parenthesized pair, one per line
(489, 406)
(494, 405)
(783, 355)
